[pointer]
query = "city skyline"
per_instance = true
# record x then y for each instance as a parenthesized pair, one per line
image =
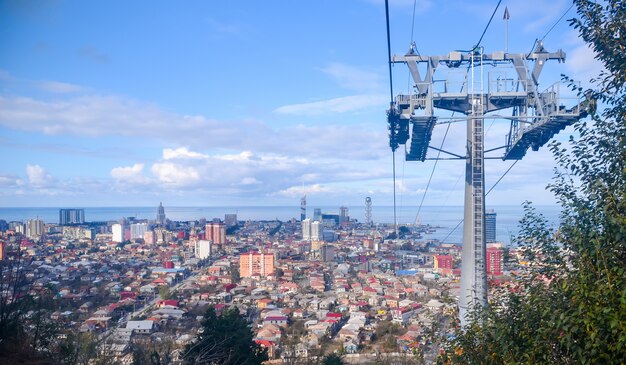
(221, 104)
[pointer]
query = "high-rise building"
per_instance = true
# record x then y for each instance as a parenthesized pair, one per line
(327, 253)
(203, 249)
(118, 232)
(160, 218)
(71, 216)
(216, 232)
(490, 226)
(34, 228)
(343, 215)
(306, 229)
(230, 220)
(161, 235)
(137, 230)
(317, 214)
(494, 260)
(148, 237)
(316, 231)
(255, 263)
(303, 208)
(18, 227)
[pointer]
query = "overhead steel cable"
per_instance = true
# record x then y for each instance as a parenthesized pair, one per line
(444, 137)
(534, 43)
(419, 209)
(557, 22)
(488, 24)
(489, 191)
(389, 52)
(391, 107)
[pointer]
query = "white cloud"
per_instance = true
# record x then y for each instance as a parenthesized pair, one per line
(337, 105)
(582, 64)
(180, 153)
(95, 115)
(296, 191)
(250, 181)
(243, 156)
(130, 174)
(58, 87)
(353, 78)
(37, 176)
(173, 174)
(9, 181)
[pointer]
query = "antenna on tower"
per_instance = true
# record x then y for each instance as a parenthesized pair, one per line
(506, 29)
(368, 211)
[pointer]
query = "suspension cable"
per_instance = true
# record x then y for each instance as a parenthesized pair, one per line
(489, 191)
(389, 52)
(413, 22)
(432, 172)
(393, 152)
(488, 24)
(557, 22)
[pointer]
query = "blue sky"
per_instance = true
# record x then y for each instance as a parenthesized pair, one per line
(118, 103)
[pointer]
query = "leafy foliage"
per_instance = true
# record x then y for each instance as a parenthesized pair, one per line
(569, 305)
(224, 339)
(332, 359)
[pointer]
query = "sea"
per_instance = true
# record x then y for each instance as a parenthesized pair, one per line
(446, 221)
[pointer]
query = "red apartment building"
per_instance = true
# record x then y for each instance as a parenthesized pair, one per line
(255, 263)
(442, 262)
(216, 233)
(494, 261)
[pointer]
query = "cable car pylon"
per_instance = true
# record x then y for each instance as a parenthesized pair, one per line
(511, 84)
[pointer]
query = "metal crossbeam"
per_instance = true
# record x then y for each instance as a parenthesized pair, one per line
(537, 117)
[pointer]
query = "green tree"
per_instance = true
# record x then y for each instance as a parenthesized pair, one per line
(569, 306)
(224, 339)
(164, 292)
(332, 359)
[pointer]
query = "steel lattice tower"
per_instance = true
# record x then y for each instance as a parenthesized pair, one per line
(368, 211)
(536, 118)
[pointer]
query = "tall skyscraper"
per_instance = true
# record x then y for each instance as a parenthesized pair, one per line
(306, 229)
(118, 232)
(137, 230)
(216, 232)
(316, 231)
(343, 215)
(490, 226)
(317, 214)
(71, 216)
(303, 208)
(34, 229)
(255, 263)
(160, 218)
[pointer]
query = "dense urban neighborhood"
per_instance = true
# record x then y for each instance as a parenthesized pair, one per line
(307, 288)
